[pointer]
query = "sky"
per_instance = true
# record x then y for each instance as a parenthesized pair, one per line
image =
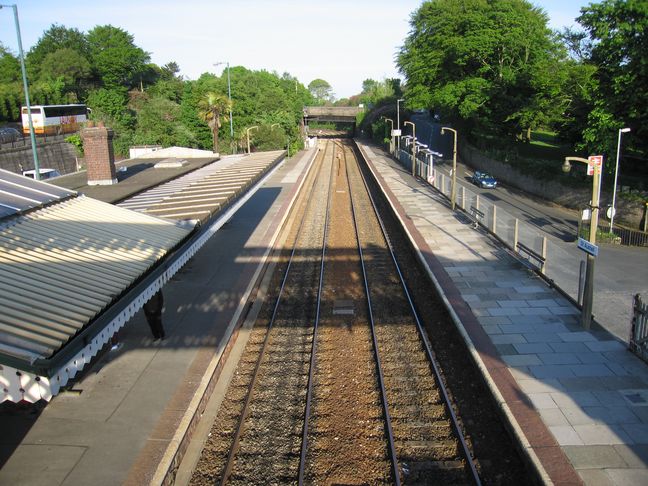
(342, 42)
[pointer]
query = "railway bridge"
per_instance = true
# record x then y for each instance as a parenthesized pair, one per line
(335, 114)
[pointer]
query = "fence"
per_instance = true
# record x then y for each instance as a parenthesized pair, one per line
(26, 141)
(532, 246)
(619, 234)
(639, 332)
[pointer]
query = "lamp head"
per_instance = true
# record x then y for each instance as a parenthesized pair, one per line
(443, 131)
(566, 167)
(624, 130)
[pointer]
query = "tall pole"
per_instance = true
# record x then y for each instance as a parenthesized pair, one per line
(588, 291)
(248, 137)
(616, 174)
(398, 126)
(453, 192)
(229, 95)
(413, 147)
(32, 136)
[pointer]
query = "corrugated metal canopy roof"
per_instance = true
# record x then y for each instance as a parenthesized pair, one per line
(206, 191)
(62, 265)
(19, 193)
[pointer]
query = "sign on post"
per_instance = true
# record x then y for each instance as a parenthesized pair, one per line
(588, 247)
(396, 133)
(594, 162)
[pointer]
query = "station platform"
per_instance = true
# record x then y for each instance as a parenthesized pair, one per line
(576, 400)
(125, 418)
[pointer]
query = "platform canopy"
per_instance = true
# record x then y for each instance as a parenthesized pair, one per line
(66, 262)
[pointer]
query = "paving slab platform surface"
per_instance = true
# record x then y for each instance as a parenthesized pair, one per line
(120, 422)
(576, 400)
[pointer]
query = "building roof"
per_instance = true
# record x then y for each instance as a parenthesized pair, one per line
(74, 270)
(61, 265)
(204, 192)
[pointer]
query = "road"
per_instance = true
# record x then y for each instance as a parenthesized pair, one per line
(620, 272)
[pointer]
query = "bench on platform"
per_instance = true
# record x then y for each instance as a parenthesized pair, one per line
(532, 255)
(477, 215)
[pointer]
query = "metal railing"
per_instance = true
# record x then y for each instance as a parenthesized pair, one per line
(529, 243)
(619, 234)
(639, 332)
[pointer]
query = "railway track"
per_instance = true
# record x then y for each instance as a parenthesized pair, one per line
(339, 384)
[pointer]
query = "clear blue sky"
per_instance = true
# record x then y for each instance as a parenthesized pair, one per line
(340, 41)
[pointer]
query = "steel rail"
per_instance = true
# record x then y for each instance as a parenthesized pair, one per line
(428, 349)
(311, 371)
(381, 380)
(248, 398)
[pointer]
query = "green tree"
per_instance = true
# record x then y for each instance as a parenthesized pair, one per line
(9, 66)
(10, 86)
(618, 30)
(211, 107)
(55, 38)
(70, 67)
(483, 64)
(321, 90)
(159, 122)
(116, 59)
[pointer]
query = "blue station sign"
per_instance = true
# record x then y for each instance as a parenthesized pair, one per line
(588, 247)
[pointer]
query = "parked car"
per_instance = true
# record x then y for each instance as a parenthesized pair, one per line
(8, 135)
(482, 179)
(44, 173)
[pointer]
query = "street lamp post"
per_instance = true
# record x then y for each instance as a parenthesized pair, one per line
(413, 147)
(453, 192)
(616, 174)
(398, 122)
(247, 132)
(229, 96)
(25, 86)
(588, 293)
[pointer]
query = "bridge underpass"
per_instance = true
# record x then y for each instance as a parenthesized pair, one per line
(346, 115)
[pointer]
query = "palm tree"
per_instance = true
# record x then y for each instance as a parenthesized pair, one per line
(211, 106)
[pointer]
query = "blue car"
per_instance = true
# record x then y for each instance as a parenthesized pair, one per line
(484, 180)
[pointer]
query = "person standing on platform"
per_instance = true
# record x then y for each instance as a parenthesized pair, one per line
(153, 313)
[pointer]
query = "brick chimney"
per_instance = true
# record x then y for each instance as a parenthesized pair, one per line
(99, 155)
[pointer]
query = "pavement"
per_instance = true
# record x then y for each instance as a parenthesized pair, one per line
(576, 400)
(127, 417)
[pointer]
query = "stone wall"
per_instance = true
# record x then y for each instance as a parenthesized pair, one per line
(629, 213)
(57, 155)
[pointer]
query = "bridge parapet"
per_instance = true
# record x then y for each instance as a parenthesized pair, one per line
(332, 113)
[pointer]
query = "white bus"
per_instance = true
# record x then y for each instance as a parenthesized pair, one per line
(54, 119)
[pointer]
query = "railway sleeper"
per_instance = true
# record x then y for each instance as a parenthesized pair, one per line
(405, 411)
(423, 432)
(435, 472)
(282, 446)
(424, 384)
(275, 378)
(265, 470)
(410, 395)
(422, 450)
(286, 393)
